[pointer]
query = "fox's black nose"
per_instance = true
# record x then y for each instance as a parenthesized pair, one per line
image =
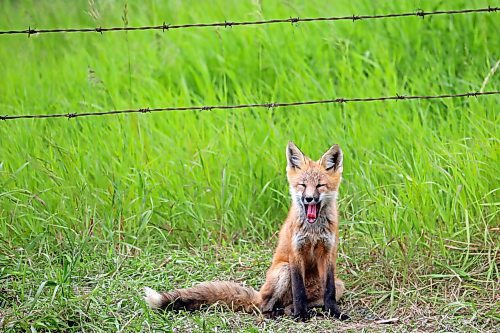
(309, 199)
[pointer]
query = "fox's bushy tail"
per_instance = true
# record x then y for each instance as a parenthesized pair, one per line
(231, 294)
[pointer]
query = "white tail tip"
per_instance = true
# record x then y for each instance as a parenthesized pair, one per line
(153, 298)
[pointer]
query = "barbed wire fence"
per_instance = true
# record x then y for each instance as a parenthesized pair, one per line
(246, 106)
(166, 27)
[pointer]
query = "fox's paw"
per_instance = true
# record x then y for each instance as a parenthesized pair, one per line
(343, 316)
(274, 313)
(302, 315)
(335, 312)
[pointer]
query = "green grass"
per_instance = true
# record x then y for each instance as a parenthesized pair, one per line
(93, 209)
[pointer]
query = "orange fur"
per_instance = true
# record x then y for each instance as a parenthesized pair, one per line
(309, 248)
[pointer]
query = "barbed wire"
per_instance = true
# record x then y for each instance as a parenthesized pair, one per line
(293, 20)
(246, 106)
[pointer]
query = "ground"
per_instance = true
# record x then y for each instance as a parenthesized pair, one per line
(94, 209)
(92, 290)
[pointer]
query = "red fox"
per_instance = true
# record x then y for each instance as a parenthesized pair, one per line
(302, 273)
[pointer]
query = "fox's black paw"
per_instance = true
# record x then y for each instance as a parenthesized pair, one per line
(302, 316)
(274, 313)
(335, 312)
(343, 317)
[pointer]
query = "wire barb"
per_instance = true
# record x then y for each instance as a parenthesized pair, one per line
(30, 31)
(419, 13)
(262, 105)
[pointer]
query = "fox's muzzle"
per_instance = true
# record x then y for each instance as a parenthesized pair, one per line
(306, 200)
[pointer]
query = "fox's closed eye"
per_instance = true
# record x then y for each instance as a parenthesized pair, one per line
(303, 185)
(320, 185)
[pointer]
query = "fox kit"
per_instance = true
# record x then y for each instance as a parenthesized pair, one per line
(303, 269)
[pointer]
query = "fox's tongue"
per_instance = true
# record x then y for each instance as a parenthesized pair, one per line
(312, 212)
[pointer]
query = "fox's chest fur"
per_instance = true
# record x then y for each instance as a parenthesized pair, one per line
(310, 237)
(313, 240)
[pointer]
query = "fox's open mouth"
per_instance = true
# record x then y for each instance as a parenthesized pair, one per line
(312, 212)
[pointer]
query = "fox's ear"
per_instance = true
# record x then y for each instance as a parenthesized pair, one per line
(295, 158)
(332, 159)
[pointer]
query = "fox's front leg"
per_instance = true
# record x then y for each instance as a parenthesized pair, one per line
(330, 301)
(298, 290)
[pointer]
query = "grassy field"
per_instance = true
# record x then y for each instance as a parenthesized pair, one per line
(93, 209)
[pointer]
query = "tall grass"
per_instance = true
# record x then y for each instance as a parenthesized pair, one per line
(411, 167)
